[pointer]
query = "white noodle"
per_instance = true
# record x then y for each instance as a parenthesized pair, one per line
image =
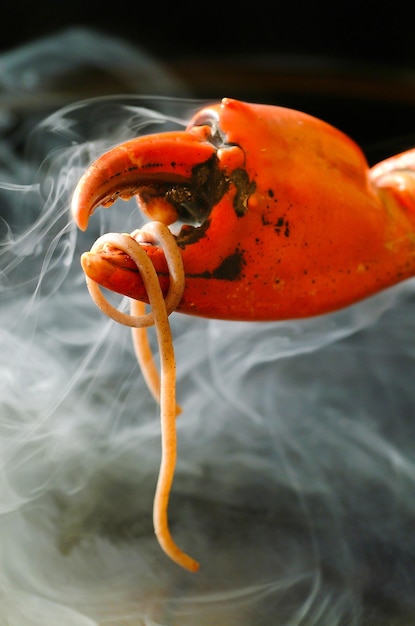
(164, 387)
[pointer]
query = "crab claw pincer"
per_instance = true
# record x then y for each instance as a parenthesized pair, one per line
(280, 215)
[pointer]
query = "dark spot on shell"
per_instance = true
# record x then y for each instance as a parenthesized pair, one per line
(244, 189)
(209, 182)
(152, 165)
(230, 268)
(282, 226)
(189, 235)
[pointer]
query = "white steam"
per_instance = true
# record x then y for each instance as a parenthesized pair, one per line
(295, 485)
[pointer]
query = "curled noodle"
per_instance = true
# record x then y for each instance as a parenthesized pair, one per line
(163, 387)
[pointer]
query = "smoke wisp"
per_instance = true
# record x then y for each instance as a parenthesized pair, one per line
(295, 481)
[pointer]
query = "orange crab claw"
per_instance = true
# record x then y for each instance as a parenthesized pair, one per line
(285, 218)
(139, 167)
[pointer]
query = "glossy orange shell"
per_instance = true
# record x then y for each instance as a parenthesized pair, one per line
(316, 231)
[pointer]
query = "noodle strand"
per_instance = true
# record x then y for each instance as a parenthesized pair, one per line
(143, 351)
(163, 388)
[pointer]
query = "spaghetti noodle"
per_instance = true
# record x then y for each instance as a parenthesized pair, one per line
(163, 386)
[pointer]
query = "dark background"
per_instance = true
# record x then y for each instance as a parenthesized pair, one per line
(350, 63)
(371, 31)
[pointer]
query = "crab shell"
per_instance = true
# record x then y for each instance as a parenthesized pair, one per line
(285, 218)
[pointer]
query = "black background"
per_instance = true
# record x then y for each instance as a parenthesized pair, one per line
(350, 63)
(374, 31)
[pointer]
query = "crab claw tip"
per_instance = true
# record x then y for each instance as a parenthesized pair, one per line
(80, 214)
(146, 166)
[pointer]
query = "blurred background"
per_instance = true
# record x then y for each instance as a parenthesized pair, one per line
(334, 59)
(369, 31)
